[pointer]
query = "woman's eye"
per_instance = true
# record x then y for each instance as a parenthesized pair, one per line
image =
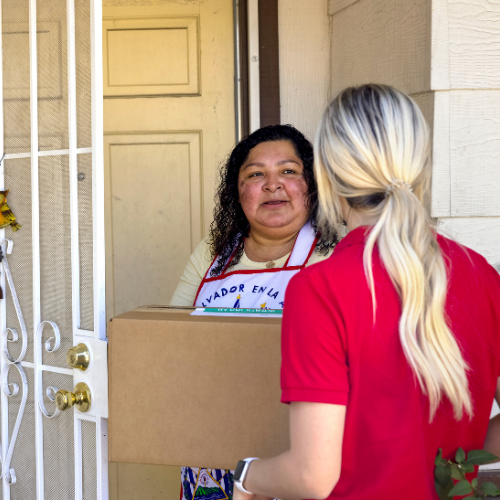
(255, 174)
(289, 171)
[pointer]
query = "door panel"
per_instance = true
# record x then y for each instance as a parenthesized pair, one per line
(172, 70)
(155, 181)
(201, 113)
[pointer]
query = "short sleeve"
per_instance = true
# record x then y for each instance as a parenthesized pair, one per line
(493, 280)
(314, 358)
(194, 272)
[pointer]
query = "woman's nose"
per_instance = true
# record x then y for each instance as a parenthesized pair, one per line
(273, 183)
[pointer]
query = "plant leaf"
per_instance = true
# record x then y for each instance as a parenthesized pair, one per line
(467, 466)
(439, 458)
(442, 473)
(456, 473)
(480, 457)
(460, 489)
(490, 489)
(460, 456)
(474, 483)
(442, 491)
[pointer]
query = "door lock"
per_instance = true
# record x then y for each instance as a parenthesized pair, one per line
(78, 357)
(81, 397)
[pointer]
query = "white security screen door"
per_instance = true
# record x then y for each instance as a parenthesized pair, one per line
(52, 271)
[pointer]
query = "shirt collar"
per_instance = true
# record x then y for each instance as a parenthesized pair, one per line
(353, 237)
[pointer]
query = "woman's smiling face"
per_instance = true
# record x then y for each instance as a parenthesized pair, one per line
(272, 189)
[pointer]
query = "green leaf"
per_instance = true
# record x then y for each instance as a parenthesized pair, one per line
(456, 473)
(439, 458)
(480, 457)
(460, 489)
(490, 489)
(467, 466)
(474, 483)
(460, 456)
(442, 491)
(442, 473)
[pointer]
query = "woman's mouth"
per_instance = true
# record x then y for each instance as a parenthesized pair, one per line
(275, 203)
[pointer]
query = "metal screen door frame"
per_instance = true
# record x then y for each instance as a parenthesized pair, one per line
(95, 339)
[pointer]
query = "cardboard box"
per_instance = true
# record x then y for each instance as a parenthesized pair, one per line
(201, 391)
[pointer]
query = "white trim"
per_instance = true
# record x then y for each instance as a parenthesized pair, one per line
(35, 217)
(102, 458)
(78, 455)
(253, 65)
(47, 368)
(73, 167)
(17, 155)
(85, 333)
(98, 225)
(87, 418)
(3, 303)
(2, 142)
(98, 171)
(55, 152)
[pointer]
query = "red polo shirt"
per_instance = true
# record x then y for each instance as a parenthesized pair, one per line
(333, 353)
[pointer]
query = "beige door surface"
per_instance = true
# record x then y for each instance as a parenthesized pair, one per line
(168, 124)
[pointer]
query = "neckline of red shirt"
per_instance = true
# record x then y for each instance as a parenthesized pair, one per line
(353, 237)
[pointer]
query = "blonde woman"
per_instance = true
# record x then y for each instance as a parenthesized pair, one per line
(391, 347)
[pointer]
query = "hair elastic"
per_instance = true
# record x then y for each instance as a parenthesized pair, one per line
(397, 184)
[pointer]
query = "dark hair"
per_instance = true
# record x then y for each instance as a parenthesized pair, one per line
(230, 223)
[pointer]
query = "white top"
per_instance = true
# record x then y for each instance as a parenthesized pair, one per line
(200, 261)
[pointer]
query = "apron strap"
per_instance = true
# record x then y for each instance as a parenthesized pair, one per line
(303, 246)
(301, 251)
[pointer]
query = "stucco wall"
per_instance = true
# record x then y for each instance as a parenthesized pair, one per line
(304, 62)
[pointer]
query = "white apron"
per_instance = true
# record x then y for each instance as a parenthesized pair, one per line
(260, 288)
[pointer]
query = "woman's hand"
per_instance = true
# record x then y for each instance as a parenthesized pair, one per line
(311, 467)
(239, 495)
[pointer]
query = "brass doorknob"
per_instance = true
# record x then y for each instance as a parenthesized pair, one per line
(79, 357)
(81, 397)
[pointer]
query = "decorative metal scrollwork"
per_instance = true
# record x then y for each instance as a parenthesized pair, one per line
(7, 249)
(10, 335)
(51, 345)
(11, 390)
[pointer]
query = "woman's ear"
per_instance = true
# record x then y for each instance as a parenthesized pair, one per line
(346, 208)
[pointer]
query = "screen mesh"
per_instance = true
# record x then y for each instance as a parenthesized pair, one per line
(18, 180)
(89, 460)
(16, 76)
(55, 253)
(58, 444)
(86, 235)
(83, 74)
(52, 75)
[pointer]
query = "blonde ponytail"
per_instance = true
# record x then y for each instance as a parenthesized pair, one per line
(372, 147)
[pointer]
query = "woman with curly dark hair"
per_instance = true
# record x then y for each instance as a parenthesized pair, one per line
(263, 233)
(267, 194)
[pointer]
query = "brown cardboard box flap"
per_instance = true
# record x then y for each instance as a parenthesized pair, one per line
(194, 390)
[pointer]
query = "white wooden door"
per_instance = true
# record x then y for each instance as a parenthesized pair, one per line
(168, 124)
(52, 274)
